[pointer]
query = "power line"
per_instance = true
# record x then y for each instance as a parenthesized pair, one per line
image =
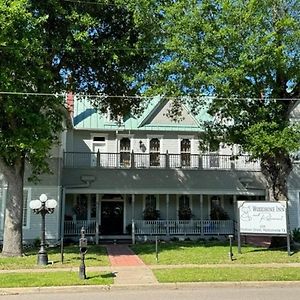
(200, 97)
(89, 2)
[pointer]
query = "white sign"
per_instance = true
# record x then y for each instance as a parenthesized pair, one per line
(262, 217)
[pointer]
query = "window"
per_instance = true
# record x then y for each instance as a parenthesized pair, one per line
(154, 152)
(184, 201)
(184, 211)
(150, 201)
(80, 208)
(215, 202)
(185, 152)
(150, 212)
(93, 206)
(125, 152)
(99, 139)
(214, 156)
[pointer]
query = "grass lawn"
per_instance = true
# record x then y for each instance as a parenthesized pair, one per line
(96, 256)
(227, 274)
(53, 279)
(214, 252)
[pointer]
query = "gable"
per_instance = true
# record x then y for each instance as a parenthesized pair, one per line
(154, 117)
(159, 117)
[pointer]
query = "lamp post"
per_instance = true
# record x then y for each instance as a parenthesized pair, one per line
(43, 206)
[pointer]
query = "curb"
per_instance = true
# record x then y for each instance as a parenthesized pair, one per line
(170, 286)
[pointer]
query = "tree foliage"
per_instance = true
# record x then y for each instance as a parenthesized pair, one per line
(245, 56)
(51, 47)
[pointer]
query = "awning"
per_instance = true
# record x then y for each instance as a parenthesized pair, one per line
(167, 181)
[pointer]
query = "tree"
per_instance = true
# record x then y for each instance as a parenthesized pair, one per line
(245, 56)
(49, 47)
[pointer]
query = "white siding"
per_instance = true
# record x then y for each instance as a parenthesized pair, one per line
(294, 209)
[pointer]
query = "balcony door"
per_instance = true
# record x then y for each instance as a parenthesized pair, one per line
(125, 152)
(185, 152)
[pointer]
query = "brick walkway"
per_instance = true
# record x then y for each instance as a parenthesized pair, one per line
(121, 255)
(127, 267)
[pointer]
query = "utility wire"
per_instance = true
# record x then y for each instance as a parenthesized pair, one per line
(144, 97)
(89, 2)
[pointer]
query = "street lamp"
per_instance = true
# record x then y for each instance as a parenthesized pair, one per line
(43, 206)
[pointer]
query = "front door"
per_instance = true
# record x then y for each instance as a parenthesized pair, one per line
(112, 217)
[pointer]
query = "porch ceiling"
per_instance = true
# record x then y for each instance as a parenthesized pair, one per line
(175, 181)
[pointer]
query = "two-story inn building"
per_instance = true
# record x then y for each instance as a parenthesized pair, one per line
(146, 170)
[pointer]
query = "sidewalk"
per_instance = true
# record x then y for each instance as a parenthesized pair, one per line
(127, 267)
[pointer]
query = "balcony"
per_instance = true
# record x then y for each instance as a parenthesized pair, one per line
(158, 161)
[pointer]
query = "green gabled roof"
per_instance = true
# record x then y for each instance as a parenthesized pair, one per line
(86, 117)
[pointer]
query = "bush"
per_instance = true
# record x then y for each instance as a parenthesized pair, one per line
(218, 213)
(185, 213)
(151, 214)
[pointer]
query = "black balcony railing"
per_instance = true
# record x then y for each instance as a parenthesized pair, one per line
(162, 161)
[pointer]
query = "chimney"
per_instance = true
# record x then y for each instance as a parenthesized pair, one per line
(70, 103)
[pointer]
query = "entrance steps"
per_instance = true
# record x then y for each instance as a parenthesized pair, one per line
(115, 239)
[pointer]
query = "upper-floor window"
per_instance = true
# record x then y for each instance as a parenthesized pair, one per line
(185, 152)
(154, 152)
(125, 151)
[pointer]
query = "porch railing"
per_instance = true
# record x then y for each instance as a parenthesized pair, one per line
(190, 227)
(155, 160)
(74, 227)
(160, 227)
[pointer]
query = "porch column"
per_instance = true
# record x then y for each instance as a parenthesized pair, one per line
(63, 208)
(201, 214)
(167, 213)
(132, 219)
(235, 208)
(97, 218)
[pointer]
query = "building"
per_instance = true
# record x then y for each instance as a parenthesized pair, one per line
(148, 170)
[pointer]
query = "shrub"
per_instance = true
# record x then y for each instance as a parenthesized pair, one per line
(151, 213)
(185, 213)
(218, 213)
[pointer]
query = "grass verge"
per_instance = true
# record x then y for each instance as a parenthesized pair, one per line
(227, 274)
(210, 253)
(96, 256)
(62, 278)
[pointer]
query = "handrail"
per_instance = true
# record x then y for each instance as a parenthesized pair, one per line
(126, 160)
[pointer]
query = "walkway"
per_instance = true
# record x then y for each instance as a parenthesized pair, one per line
(128, 267)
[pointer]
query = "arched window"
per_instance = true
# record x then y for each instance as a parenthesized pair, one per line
(125, 152)
(154, 152)
(185, 152)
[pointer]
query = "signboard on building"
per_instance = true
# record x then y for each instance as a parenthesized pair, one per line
(262, 217)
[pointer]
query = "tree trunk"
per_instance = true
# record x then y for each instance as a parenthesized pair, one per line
(276, 171)
(12, 237)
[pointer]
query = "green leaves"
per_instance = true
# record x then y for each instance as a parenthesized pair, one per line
(268, 139)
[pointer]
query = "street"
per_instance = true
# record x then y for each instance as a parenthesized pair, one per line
(229, 292)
